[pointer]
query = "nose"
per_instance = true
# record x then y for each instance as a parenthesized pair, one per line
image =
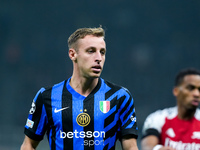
(196, 92)
(98, 57)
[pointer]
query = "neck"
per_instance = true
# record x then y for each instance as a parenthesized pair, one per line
(83, 86)
(186, 114)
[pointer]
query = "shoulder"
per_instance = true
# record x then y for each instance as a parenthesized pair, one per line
(46, 91)
(116, 86)
(157, 119)
(111, 84)
(167, 112)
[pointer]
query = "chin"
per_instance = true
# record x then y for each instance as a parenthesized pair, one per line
(192, 108)
(95, 75)
(92, 76)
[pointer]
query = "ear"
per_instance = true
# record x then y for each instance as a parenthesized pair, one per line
(175, 91)
(72, 54)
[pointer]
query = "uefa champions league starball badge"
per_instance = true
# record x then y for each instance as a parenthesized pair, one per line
(33, 107)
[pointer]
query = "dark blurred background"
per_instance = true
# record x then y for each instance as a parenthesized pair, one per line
(148, 42)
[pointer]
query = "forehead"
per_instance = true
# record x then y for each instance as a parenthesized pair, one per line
(92, 41)
(192, 79)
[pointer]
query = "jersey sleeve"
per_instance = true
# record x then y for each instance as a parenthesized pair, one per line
(127, 116)
(37, 119)
(154, 123)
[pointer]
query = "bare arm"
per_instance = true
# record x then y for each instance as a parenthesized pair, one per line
(29, 144)
(129, 143)
(149, 142)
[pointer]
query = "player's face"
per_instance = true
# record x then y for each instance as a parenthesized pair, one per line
(188, 93)
(90, 56)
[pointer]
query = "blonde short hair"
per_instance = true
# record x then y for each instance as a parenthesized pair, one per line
(81, 33)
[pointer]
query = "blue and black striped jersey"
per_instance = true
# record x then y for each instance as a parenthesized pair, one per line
(73, 121)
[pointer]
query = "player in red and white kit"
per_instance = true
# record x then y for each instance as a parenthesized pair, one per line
(176, 128)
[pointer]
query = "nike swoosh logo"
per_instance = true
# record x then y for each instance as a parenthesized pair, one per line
(58, 110)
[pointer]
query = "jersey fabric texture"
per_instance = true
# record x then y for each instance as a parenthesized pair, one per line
(172, 131)
(73, 121)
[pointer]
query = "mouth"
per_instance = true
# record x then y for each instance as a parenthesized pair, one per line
(195, 102)
(96, 68)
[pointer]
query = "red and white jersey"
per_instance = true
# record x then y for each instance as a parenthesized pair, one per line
(172, 131)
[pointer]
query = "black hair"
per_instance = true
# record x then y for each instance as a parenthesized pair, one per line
(183, 73)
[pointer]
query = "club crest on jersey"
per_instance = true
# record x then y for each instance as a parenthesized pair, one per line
(83, 119)
(104, 106)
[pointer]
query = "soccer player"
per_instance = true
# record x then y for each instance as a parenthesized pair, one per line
(84, 112)
(176, 128)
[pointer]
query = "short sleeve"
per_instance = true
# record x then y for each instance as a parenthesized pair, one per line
(37, 119)
(128, 123)
(154, 123)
